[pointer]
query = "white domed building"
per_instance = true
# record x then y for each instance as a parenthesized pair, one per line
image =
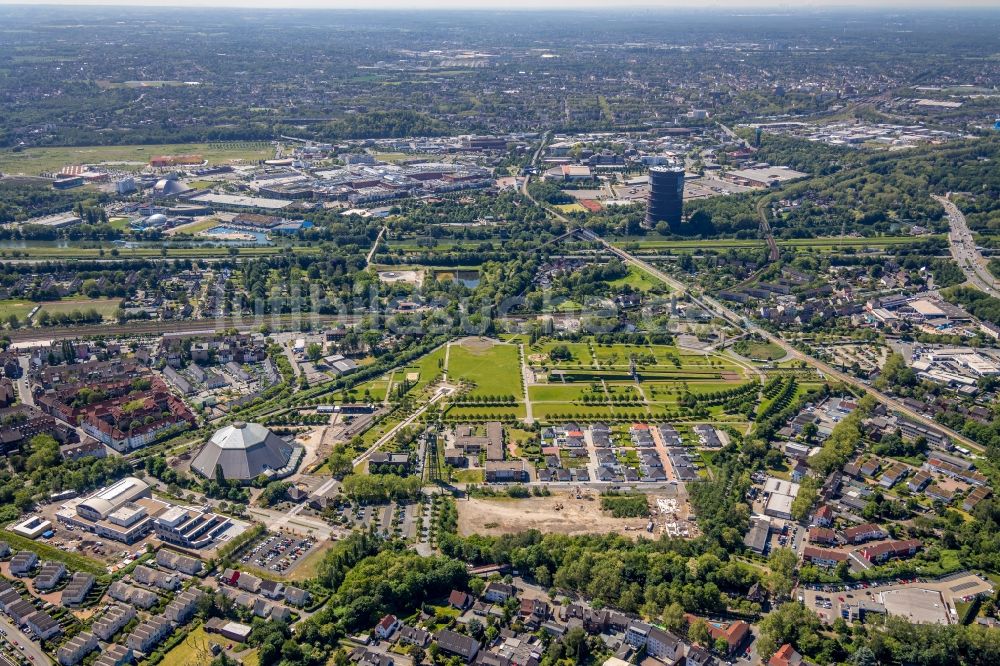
(245, 451)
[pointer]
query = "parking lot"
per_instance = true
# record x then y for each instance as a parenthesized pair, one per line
(393, 519)
(277, 553)
(919, 601)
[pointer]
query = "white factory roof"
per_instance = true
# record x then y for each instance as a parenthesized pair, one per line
(926, 308)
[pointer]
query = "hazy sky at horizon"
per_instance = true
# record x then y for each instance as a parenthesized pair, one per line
(530, 4)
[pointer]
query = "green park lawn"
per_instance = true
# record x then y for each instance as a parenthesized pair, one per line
(494, 371)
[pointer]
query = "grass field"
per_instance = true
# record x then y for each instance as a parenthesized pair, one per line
(493, 368)
(36, 161)
(308, 567)
(570, 208)
(427, 367)
(638, 280)
(194, 227)
(15, 306)
(375, 389)
(105, 306)
(580, 352)
(480, 413)
(767, 351)
(665, 374)
(195, 650)
(20, 307)
(560, 392)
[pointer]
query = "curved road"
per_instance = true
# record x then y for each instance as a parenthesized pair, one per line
(964, 251)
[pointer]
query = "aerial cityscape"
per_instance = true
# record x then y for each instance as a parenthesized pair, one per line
(582, 335)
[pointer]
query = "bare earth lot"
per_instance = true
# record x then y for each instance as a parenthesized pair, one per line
(495, 516)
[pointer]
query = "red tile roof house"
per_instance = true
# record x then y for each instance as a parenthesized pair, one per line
(823, 516)
(736, 634)
(823, 557)
(862, 533)
(881, 552)
(458, 599)
(785, 656)
(822, 535)
(387, 626)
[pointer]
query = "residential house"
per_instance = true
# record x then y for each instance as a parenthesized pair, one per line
(78, 588)
(887, 550)
(498, 592)
(297, 596)
(135, 596)
(413, 636)
(75, 649)
(823, 557)
(183, 606)
(460, 645)
(822, 535)
(387, 626)
(785, 656)
(49, 575)
(145, 637)
(109, 624)
(460, 600)
(189, 565)
(43, 625)
(894, 475)
(863, 533)
(153, 578)
(23, 562)
(272, 589)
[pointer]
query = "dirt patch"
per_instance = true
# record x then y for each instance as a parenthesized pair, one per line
(476, 345)
(411, 277)
(560, 513)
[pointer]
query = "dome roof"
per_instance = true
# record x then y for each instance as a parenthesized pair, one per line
(244, 451)
(169, 186)
(157, 219)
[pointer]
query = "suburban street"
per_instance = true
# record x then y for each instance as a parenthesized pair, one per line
(31, 649)
(23, 389)
(964, 251)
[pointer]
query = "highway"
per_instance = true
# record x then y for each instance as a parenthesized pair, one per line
(765, 229)
(711, 305)
(734, 136)
(964, 251)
